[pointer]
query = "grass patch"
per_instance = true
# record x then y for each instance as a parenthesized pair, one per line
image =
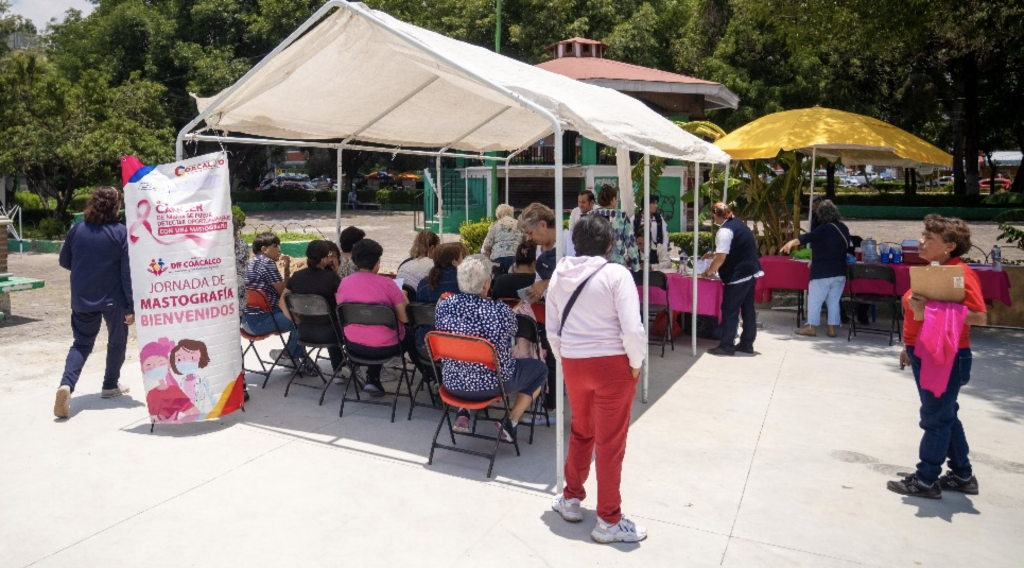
(285, 237)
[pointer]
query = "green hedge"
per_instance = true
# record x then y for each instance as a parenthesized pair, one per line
(473, 234)
(395, 196)
(919, 200)
(684, 241)
(299, 196)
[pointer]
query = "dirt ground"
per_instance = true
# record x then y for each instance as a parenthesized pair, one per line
(39, 327)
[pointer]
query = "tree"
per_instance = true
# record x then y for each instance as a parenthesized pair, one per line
(64, 135)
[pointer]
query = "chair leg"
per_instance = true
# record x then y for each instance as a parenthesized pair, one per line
(437, 432)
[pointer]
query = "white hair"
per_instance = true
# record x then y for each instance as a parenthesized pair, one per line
(504, 210)
(474, 273)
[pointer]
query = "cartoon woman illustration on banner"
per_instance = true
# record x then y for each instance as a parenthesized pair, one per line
(165, 399)
(186, 359)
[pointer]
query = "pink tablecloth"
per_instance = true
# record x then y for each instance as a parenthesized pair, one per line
(783, 273)
(680, 295)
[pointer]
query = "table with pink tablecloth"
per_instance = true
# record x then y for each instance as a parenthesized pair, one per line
(680, 295)
(783, 273)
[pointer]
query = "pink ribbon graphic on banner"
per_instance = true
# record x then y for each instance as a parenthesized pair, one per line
(144, 209)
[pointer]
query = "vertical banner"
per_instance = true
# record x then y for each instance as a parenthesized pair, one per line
(181, 248)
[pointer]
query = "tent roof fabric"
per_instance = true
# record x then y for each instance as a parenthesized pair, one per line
(833, 134)
(362, 75)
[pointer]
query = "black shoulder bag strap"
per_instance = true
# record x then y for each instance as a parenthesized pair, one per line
(575, 295)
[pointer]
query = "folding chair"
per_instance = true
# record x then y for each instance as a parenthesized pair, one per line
(422, 315)
(255, 298)
(859, 275)
(507, 286)
(379, 315)
(660, 281)
(527, 329)
(315, 329)
(410, 292)
(458, 347)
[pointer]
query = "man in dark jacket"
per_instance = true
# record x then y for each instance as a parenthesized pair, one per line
(736, 261)
(96, 253)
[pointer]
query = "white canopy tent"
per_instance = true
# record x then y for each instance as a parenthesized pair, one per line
(351, 77)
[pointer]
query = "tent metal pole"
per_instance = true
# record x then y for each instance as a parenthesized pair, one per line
(559, 376)
(506, 179)
(332, 146)
(465, 174)
(725, 188)
(647, 273)
(179, 142)
(337, 205)
(814, 152)
(696, 254)
(440, 201)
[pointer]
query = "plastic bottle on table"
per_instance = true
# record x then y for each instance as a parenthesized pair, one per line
(683, 259)
(869, 250)
(997, 258)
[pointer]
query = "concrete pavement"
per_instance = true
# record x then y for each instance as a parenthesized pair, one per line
(775, 460)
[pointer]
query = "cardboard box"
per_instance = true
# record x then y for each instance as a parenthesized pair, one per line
(943, 283)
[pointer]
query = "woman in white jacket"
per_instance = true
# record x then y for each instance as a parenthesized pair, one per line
(601, 345)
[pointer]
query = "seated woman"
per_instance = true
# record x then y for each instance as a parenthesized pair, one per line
(348, 239)
(319, 278)
(443, 277)
(503, 237)
(471, 312)
(526, 256)
(368, 287)
(263, 275)
(421, 259)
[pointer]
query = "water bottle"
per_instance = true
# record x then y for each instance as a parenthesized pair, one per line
(897, 254)
(869, 250)
(997, 258)
(683, 260)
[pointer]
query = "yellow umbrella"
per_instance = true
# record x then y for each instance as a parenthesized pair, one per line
(833, 134)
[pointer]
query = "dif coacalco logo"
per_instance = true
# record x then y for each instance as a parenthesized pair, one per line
(202, 166)
(157, 266)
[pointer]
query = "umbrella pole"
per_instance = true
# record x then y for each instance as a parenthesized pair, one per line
(725, 188)
(647, 272)
(814, 155)
(696, 255)
(337, 205)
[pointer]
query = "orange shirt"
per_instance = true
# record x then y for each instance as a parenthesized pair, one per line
(973, 299)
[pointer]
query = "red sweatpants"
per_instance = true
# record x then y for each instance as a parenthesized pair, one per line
(601, 391)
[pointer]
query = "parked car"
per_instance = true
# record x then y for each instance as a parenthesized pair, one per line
(943, 180)
(1001, 183)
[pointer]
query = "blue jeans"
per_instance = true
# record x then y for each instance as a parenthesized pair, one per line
(944, 436)
(530, 375)
(86, 326)
(264, 323)
(825, 291)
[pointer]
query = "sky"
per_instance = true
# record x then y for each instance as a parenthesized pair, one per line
(40, 11)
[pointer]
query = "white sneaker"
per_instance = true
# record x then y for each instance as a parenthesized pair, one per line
(625, 531)
(528, 419)
(568, 508)
(275, 354)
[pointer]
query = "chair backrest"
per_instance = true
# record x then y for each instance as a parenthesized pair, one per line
(861, 271)
(308, 309)
(256, 298)
(367, 314)
(459, 347)
(527, 328)
(508, 285)
(410, 292)
(657, 279)
(422, 314)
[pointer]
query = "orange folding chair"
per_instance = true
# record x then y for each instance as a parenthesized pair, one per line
(453, 346)
(258, 299)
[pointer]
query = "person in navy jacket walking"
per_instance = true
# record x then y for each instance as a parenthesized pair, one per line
(96, 253)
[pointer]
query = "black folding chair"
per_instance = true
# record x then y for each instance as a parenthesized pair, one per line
(315, 329)
(527, 329)
(658, 280)
(454, 346)
(507, 286)
(255, 298)
(859, 273)
(422, 315)
(379, 315)
(410, 292)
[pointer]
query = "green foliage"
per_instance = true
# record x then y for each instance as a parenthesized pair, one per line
(237, 217)
(473, 234)
(705, 241)
(1011, 234)
(775, 205)
(918, 200)
(394, 195)
(28, 201)
(285, 237)
(1004, 198)
(52, 228)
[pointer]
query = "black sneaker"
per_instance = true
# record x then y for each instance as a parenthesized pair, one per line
(911, 487)
(746, 349)
(508, 431)
(373, 387)
(719, 351)
(954, 483)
